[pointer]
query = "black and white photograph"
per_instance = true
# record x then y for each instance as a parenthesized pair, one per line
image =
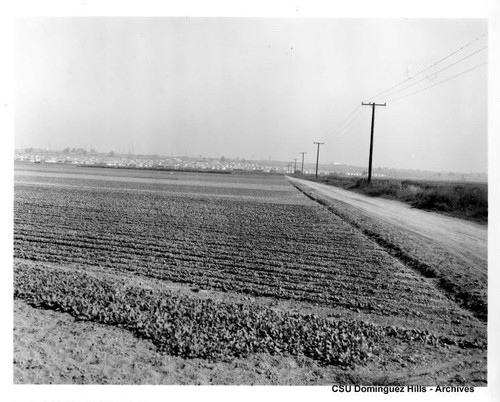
(265, 200)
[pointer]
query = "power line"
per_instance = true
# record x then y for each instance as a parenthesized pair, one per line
(347, 118)
(429, 67)
(347, 122)
(440, 82)
(352, 116)
(437, 72)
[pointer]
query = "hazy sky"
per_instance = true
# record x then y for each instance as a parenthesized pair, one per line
(256, 88)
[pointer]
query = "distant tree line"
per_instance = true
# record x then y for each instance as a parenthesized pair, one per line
(78, 151)
(66, 151)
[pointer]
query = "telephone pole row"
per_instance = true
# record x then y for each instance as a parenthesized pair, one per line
(372, 104)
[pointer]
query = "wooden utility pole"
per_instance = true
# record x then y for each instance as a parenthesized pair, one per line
(372, 104)
(302, 168)
(295, 168)
(317, 157)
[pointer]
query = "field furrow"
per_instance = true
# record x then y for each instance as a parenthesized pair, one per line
(87, 247)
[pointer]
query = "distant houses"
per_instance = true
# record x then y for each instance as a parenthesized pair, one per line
(172, 163)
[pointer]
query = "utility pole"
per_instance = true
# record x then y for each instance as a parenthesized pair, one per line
(302, 168)
(317, 157)
(295, 168)
(372, 104)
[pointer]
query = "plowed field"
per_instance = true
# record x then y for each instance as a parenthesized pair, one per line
(260, 268)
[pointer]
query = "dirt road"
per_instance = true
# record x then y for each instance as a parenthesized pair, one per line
(466, 240)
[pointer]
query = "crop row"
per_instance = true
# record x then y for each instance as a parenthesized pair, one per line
(192, 327)
(291, 251)
(206, 328)
(289, 282)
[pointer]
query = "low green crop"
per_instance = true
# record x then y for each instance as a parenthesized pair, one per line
(194, 327)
